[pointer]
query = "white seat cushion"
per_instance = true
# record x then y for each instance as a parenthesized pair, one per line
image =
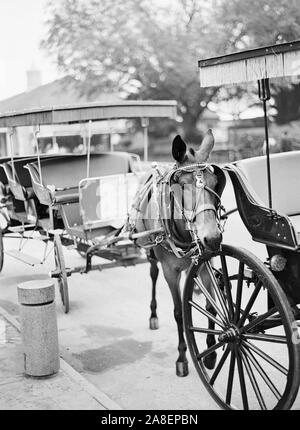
(285, 176)
(295, 220)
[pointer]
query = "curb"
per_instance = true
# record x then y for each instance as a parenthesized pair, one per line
(84, 384)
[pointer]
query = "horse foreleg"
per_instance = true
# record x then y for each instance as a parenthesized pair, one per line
(153, 322)
(173, 280)
(210, 360)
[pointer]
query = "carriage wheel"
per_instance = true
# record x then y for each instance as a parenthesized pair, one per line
(245, 352)
(1, 251)
(61, 269)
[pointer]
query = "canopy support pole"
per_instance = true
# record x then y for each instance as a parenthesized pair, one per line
(111, 146)
(11, 144)
(145, 125)
(265, 95)
(36, 132)
(89, 149)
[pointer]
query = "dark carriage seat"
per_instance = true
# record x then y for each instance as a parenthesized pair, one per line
(21, 184)
(60, 183)
(61, 177)
(4, 189)
(285, 180)
(3, 181)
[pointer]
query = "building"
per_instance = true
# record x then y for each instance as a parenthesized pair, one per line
(58, 93)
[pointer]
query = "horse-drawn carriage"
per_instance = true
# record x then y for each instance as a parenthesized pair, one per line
(239, 314)
(254, 310)
(57, 198)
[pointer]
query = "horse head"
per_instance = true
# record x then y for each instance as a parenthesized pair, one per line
(197, 188)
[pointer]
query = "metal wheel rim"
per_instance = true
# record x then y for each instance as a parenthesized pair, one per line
(1, 251)
(292, 380)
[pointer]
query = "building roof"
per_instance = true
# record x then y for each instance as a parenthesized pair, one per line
(60, 92)
(247, 123)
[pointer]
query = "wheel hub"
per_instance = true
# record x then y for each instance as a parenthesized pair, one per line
(232, 334)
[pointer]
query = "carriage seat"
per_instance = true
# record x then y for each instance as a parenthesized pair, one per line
(20, 184)
(285, 179)
(61, 177)
(285, 183)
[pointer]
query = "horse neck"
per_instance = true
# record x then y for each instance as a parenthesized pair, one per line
(146, 216)
(149, 204)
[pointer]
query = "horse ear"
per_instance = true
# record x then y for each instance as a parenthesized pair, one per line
(178, 149)
(206, 147)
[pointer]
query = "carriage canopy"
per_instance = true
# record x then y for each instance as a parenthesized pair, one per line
(90, 112)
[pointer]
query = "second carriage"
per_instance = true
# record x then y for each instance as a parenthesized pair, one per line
(75, 200)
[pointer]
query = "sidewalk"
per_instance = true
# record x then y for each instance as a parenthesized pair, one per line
(68, 390)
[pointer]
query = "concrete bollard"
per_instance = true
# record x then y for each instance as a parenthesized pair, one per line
(39, 327)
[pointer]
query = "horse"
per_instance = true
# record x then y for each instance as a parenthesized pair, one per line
(188, 227)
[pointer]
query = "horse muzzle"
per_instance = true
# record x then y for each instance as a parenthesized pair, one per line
(212, 242)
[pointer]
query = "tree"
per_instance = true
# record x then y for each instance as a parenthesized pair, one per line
(142, 49)
(249, 24)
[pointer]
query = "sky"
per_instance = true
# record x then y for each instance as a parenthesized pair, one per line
(21, 30)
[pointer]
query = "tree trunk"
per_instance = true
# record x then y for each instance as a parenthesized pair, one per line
(191, 132)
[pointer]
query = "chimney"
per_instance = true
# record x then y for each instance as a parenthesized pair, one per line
(34, 78)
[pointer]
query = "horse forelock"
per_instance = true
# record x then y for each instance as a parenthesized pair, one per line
(191, 157)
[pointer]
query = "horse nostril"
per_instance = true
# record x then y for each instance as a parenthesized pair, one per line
(213, 243)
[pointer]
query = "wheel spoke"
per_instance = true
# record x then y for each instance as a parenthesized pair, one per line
(258, 320)
(217, 290)
(253, 369)
(239, 292)
(253, 382)
(250, 304)
(219, 366)
(230, 378)
(209, 350)
(266, 357)
(210, 300)
(205, 330)
(262, 373)
(227, 285)
(266, 338)
(242, 380)
(206, 313)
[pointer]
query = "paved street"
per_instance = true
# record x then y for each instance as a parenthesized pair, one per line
(106, 336)
(21, 392)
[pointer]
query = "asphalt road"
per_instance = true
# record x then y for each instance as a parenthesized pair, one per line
(106, 335)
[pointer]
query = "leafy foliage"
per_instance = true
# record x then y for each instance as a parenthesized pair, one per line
(150, 49)
(254, 23)
(139, 48)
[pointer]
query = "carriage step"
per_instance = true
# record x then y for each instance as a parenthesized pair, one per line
(21, 229)
(35, 237)
(25, 258)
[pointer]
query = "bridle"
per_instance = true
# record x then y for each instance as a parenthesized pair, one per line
(168, 203)
(159, 187)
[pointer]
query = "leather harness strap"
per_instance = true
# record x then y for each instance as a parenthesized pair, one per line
(168, 201)
(160, 186)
